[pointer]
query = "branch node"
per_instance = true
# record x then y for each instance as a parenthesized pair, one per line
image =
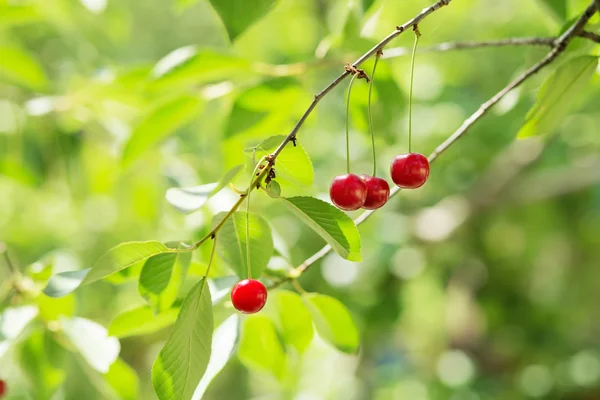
(293, 139)
(416, 30)
(360, 73)
(379, 53)
(400, 29)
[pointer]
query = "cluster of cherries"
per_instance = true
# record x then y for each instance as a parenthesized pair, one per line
(350, 192)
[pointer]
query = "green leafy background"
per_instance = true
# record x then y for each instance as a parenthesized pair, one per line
(483, 284)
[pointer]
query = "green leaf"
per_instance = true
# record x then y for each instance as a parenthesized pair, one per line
(123, 379)
(52, 309)
(231, 243)
(222, 349)
(557, 95)
(188, 66)
(190, 199)
(37, 364)
(22, 68)
(293, 165)
(92, 341)
(181, 363)
(159, 123)
(161, 278)
(333, 322)
(141, 321)
(293, 319)
(558, 8)
(330, 223)
(13, 321)
(260, 348)
(116, 259)
(273, 189)
(238, 15)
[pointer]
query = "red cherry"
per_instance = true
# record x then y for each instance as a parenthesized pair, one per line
(348, 192)
(249, 296)
(409, 171)
(2, 387)
(378, 192)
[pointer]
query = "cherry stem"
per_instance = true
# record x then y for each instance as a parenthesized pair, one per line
(297, 286)
(348, 124)
(410, 90)
(370, 115)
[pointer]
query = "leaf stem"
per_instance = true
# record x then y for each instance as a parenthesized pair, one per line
(370, 114)
(410, 90)
(297, 286)
(210, 260)
(348, 124)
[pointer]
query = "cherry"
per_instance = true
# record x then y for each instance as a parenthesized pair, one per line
(249, 296)
(409, 171)
(2, 387)
(348, 192)
(378, 192)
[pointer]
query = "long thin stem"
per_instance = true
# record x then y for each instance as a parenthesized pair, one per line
(410, 89)
(371, 115)
(248, 235)
(348, 124)
(9, 264)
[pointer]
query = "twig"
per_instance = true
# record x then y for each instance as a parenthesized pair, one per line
(469, 45)
(559, 46)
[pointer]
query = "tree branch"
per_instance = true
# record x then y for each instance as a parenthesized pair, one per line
(270, 160)
(469, 45)
(558, 46)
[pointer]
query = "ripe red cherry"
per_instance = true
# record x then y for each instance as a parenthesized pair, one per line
(378, 192)
(409, 171)
(348, 192)
(249, 296)
(2, 388)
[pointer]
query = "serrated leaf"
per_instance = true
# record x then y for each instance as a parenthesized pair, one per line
(161, 278)
(330, 223)
(13, 321)
(141, 321)
(116, 259)
(22, 68)
(189, 66)
(333, 322)
(557, 95)
(232, 243)
(93, 342)
(293, 164)
(293, 318)
(222, 349)
(181, 363)
(238, 15)
(123, 380)
(192, 198)
(159, 123)
(260, 348)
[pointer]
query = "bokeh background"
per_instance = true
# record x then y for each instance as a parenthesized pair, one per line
(481, 285)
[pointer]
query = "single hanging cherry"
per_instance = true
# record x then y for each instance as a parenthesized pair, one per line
(409, 171)
(2, 388)
(378, 192)
(249, 296)
(348, 192)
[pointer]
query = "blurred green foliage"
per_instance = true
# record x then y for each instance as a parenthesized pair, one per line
(481, 285)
